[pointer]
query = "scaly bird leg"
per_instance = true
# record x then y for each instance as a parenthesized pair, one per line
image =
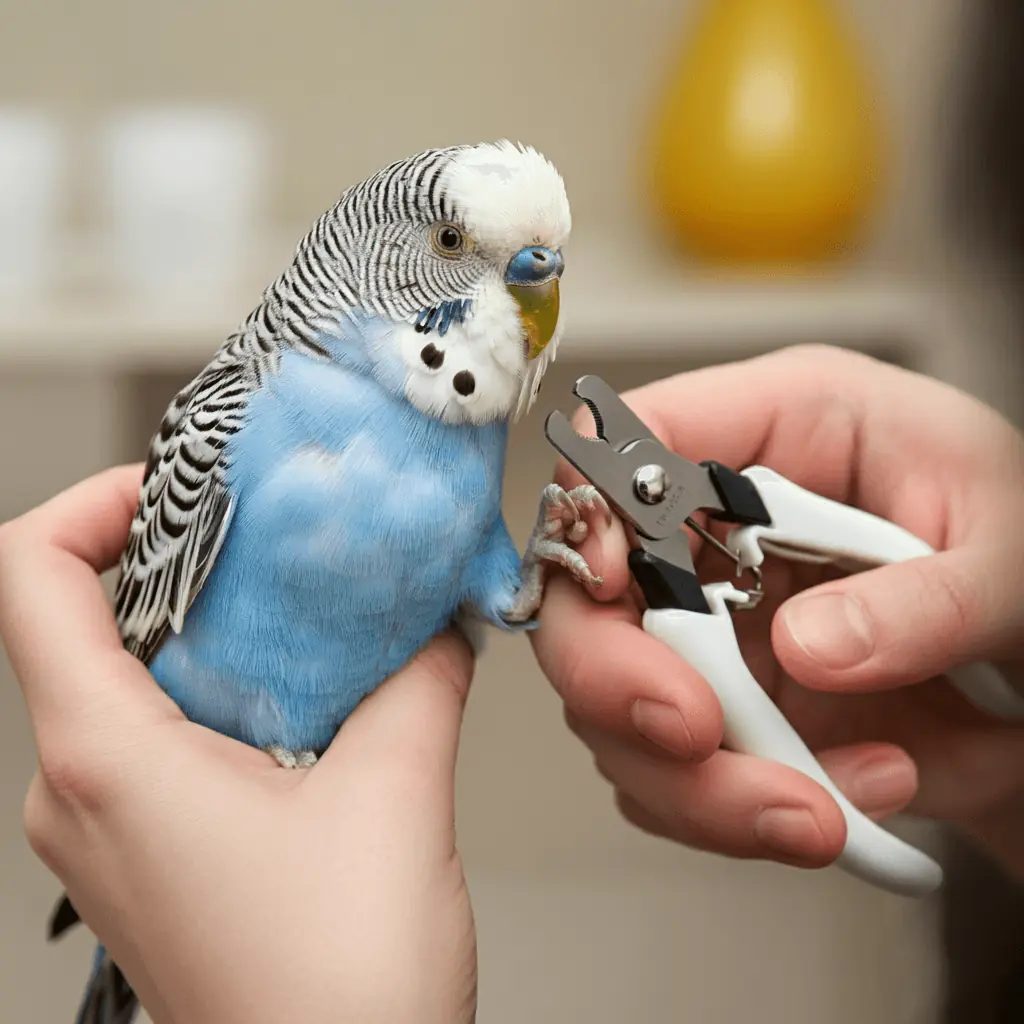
(292, 758)
(559, 524)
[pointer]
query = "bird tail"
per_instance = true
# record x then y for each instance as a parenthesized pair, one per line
(108, 998)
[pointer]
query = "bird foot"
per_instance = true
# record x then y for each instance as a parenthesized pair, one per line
(292, 758)
(560, 523)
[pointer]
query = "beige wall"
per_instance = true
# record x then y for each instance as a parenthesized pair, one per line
(345, 86)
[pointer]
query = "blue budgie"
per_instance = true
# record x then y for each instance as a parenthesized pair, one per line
(325, 496)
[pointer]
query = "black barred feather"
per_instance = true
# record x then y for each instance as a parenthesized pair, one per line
(63, 917)
(184, 508)
(108, 998)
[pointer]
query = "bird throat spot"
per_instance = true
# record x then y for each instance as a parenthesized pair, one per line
(432, 356)
(464, 382)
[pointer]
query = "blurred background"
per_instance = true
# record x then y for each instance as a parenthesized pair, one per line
(744, 174)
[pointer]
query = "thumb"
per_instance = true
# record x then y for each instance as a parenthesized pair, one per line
(403, 739)
(899, 624)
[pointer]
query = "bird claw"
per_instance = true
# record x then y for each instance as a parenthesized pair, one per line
(590, 498)
(560, 517)
(559, 525)
(561, 554)
(292, 758)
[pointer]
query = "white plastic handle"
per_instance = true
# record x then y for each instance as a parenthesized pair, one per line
(754, 725)
(807, 527)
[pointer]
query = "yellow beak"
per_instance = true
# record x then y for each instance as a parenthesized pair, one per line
(539, 305)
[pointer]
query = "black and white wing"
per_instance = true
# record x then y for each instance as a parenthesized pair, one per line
(184, 508)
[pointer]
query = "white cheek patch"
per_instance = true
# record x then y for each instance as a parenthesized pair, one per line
(497, 321)
(455, 378)
(476, 372)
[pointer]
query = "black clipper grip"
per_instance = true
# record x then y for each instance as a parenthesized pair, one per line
(739, 495)
(665, 585)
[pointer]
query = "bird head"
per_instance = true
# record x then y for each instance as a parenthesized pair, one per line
(455, 256)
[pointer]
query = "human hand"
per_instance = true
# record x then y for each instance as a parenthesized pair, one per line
(226, 888)
(839, 654)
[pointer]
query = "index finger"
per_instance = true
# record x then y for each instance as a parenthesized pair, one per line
(55, 617)
(607, 669)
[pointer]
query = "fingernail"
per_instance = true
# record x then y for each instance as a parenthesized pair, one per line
(884, 783)
(833, 629)
(789, 830)
(662, 724)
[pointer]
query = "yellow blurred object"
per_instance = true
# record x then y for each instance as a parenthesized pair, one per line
(767, 147)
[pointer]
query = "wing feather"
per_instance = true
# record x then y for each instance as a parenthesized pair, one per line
(184, 508)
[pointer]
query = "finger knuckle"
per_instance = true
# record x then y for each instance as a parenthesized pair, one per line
(74, 779)
(948, 598)
(636, 813)
(39, 824)
(958, 597)
(830, 359)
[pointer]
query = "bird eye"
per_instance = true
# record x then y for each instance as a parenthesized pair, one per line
(448, 239)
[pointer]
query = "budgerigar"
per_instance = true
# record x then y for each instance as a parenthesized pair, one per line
(325, 496)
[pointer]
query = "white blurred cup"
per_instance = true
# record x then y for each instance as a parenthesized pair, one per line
(182, 191)
(33, 155)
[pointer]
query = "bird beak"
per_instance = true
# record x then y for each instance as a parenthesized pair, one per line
(532, 279)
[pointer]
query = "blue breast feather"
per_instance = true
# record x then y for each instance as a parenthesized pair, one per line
(361, 527)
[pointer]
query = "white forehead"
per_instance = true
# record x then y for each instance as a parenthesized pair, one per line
(509, 196)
